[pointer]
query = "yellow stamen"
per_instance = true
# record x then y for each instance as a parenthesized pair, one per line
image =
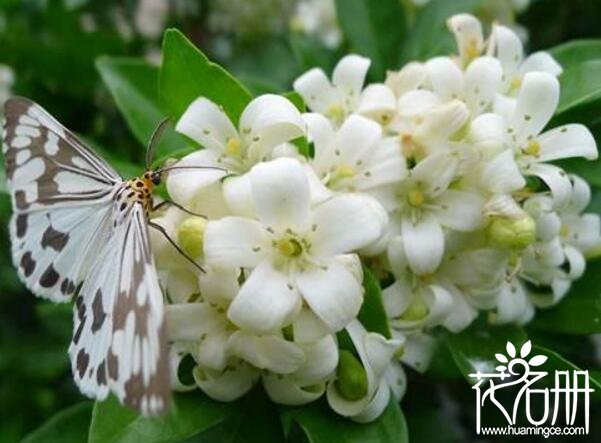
(289, 247)
(533, 148)
(472, 50)
(564, 231)
(416, 310)
(416, 197)
(336, 113)
(515, 84)
(233, 147)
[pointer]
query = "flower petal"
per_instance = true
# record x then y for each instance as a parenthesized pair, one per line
(266, 301)
(346, 223)
(320, 132)
(567, 141)
(536, 104)
(226, 385)
(188, 321)
(332, 292)
(435, 173)
(507, 47)
(442, 122)
(204, 122)
(488, 132)
(424, 243)
(556, 179)
(417, 102)
(462, 211)
(316, 90)
(482, 81)
(288, 391)
(280, 190)
(468, 34)
(321, 360)
(541, 61)
(378, 102)
(267, 121)
(219, 285)
(234, 242)
(349, 74)
(267, 352)
(445, 77)
(183, 185)
(502, 175)
(411, 77)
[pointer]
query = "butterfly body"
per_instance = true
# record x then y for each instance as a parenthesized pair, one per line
(79, 231)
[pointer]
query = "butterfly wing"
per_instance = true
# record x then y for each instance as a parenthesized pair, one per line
(62, 200)
(119, 343)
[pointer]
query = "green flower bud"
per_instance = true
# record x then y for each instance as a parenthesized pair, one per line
(417, 310)
(352, 378)
(512, 233)
(190, 235)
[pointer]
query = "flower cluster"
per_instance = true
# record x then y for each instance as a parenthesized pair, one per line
(440, 180)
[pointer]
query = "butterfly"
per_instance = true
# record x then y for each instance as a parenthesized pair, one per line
(79, 230)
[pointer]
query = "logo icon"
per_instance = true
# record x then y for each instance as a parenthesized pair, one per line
(523, 371)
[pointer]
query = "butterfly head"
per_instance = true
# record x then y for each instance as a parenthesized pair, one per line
(152, 178)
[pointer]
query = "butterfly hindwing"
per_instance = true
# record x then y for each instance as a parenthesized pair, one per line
(119, 343)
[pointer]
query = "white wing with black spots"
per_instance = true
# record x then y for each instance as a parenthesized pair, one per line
(118, 343)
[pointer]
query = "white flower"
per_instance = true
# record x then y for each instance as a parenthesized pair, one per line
(292, 249)
(338, 99)
(505, 45)
(520, 130)
(266, 122)
(308, 381)
(354, 158)
(477, 86)
(413, 303)
(318, 17)
(150, 17)
(423, 203)
(384, 377)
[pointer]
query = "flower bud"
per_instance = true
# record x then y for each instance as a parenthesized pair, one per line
(512, 233)
(190, 235)
(351, 377)
(416, 311)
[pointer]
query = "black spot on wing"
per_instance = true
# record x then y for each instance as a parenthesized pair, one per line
(83, 359)
(27, 264)
(54, 239)
(112, 363)
(101, 373)
(49, 277)
(81, 317)
(98, 313)
(67, 286)
(21, 223)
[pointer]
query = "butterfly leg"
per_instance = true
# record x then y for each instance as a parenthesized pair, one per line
(175, 245)
(178, 206)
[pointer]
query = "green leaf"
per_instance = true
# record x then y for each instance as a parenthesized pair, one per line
(67, 426)
(296, 100)
(374, 29)
(311, 53)
(574, 53)
(189, 415)
(372, 314)
(580, 310)
(254, 419)
(322, 425)
(580, 85)
(187, 74)
(556, 362)
(429, 36)
(133, 83)
(474, 348)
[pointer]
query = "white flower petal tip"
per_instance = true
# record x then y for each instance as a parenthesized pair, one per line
(350, 73)
(468, 34)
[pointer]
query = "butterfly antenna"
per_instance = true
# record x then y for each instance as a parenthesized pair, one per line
(154, 140)
(172, 168)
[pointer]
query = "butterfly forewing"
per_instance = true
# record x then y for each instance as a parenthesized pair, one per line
(73, 227)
